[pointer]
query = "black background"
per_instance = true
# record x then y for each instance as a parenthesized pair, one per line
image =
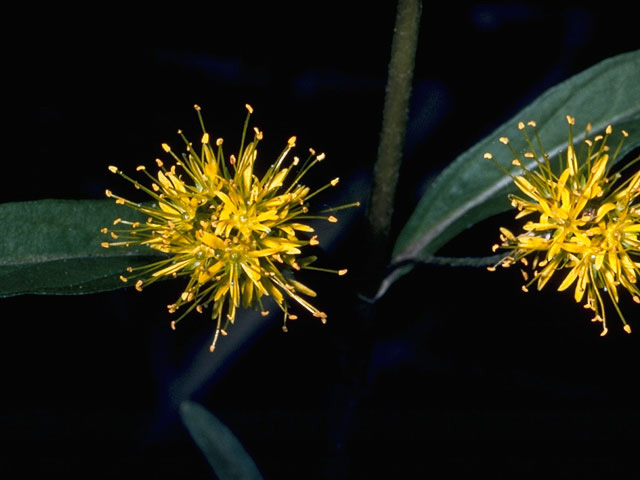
(459, 372)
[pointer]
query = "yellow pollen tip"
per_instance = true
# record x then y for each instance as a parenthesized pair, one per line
(520, 125)
(627, 328)
(104, 230)
(205, 138)
(139, 285)
(197, 107)
(636, 299)
(113, 169)
(166, 147)
(120, 201)
(123, 278)
(342, 272)
(515, 162)
(293, 317)
(159, 162)
(570, 120)
(104, 245)
(608, 130)
(173, 324)
(491, 269)
(219, 142)
(332, 219)
(604, 331)
(140, 167)
(212, 347)
(117, 221)
(525, 289)
(531, 123)
(335, 181)
(625, 133)
(488, 156)
(249, 108)
(292, 141)
(264, 313)
(108, 193)
(314, 241)
(320, 157)
(504, 140)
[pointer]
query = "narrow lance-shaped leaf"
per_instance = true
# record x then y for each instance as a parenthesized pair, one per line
(53, 247)
(471, 189)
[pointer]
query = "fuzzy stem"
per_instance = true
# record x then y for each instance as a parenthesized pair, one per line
(394, 122)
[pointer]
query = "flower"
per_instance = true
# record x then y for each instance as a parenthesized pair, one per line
(586, 221)
(236, 237)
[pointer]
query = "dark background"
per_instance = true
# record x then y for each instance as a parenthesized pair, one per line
(458, 371)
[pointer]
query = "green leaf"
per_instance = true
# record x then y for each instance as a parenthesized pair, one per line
(472, 189)
(223, 451)
(53, 247)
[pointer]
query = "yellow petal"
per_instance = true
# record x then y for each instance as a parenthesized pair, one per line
(570, 278)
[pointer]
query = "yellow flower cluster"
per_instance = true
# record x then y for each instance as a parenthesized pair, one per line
(586, 221)
(236, 237)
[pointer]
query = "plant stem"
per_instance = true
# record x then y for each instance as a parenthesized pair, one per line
(394, 123)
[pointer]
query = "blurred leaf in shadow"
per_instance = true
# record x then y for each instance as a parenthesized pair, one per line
(223, 451)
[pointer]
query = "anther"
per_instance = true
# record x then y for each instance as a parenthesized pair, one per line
(197, 107)
(292, 141)
(604, 331)
(159, 162)
(608, 130)
(104, 245)
(335, 181)
(625, 133)
(488, 156)
(173, 324)
(332, 219)
(205, 138)
(504, 140)
(113, 169)
(108, 193)
(120, 201)
(249, 108)
(320, 157)
(342, 271)
(123, 278)
(219, 142)
(520, 125)
(627, 328)
(531, 123)
(264, 313)
(104, 230)
(570, 120)
(525, 289)
(293, 317)
(314, 241)
(166, 147)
